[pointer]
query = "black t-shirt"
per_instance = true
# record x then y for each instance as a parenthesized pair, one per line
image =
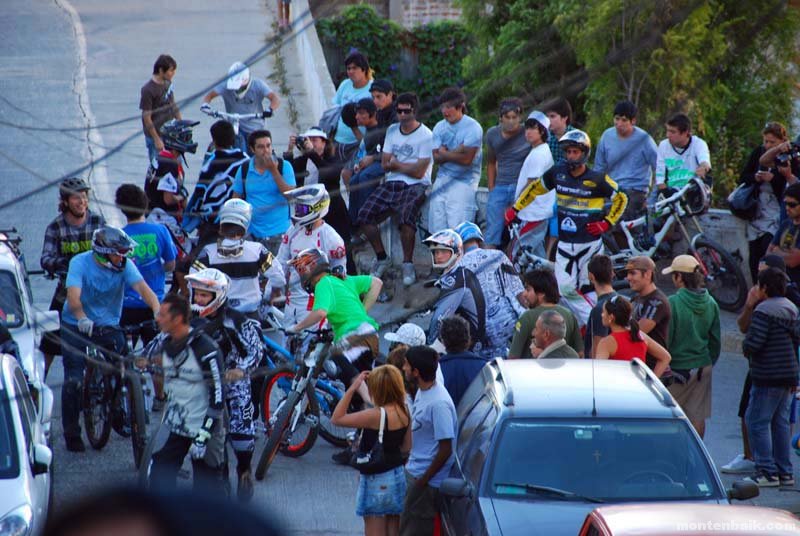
(655, 307)
(374, 137)
(786, 239)
(594, 326)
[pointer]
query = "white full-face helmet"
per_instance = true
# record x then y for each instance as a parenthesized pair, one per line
(449, 240)
(309, 203)
(238, 213)
(239, 78)
(210, 280)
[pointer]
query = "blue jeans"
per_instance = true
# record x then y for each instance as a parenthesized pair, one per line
(362, 184)
(73, 350)
(500, 198)
(767, 419)
(152, 152)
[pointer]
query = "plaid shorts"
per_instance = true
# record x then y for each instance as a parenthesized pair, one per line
(395, 197)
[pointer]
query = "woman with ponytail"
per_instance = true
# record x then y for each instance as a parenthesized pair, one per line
(625, 340)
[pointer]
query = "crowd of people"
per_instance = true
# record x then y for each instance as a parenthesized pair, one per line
(269, 229)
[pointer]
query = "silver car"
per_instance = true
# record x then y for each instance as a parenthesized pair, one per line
(25, 458)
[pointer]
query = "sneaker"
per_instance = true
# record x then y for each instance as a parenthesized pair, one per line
(764, 480)
(739, 464)
(245, 490)
(343, 457)
(786, 480)
(409, 274)
(75, 444)
(380, 267)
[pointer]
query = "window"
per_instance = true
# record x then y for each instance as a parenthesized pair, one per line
(26, 411)
(473, 419)
(10, 300)
(478, 450)
(9, 461)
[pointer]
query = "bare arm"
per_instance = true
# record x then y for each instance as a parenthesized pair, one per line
(460, 155)
(148, 296)
(314, 317)
(659, 353)
(791, 257)
(768, 158)
(168, 266)
(368, 418)
(442, 455)
(646, 325)
(743, 321)
(416, 170)
(491, 169)
(372, 294)
(283, 186)
(74, 302)
(211, 95)
(605, 348)
(150, 129)
(274, 100)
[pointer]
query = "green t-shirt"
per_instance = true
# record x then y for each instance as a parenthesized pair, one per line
(342, 300)
(523, 331)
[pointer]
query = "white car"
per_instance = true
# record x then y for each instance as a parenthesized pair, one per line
(25, 324)
(25, 459)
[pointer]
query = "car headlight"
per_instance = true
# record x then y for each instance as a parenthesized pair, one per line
(17, 522)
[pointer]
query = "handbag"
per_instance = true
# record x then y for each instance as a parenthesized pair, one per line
(375, 457)
(743, 201)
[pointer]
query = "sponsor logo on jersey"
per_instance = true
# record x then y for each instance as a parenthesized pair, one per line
(568, 224)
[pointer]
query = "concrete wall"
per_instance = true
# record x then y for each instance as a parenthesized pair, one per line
(318, 84)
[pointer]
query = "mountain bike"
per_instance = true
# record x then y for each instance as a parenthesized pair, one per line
(114, 396)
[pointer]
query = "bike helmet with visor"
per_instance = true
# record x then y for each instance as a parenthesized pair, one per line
(109, 240)
(448, 240)
(177, 135)
(210, 280)
(469, 231)
(309, 263)
(72, 186)
(576, 138)
(238, 79)
(238, 213)
(309, 203)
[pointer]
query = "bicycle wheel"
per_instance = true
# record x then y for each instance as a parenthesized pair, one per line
(276, 434)
(335, 435)
(138, 420)
(724, 279)
(96, 405)
(154, 444)
(303, 433)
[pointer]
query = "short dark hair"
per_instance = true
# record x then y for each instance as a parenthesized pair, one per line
(543, 281)
(425, 360)
(178, 306)
(776, 129)
(223, 135)
(257, 135)
(453, 95)
(131, 200)
(368, 105)
(692, 280)
(454, 334)
(626, 109)
(408, 98)
(793, 191)
(602, 269)
(562, 107)
(511, 104)
(164, 62)
(543, 132)
(773, 281)
(681, 122)
(358, 59)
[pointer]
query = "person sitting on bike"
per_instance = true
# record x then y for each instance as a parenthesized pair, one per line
(502, 287)
(95, 284)
(309, 205)
(239, 340)
(461, 293)
(243, 95)
(244, 261)
(192, 368)
(67, 235)
(164, 181)
(582, 219)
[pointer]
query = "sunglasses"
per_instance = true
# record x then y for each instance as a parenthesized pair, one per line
(791, 204)
(401, 111)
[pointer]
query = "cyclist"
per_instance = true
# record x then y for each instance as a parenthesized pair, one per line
(461, 292)
(581, 197)
(95, 284)
(67, 235)
(243, 95)
(239, 340)
(193, 382)
(502, 287)
(164, 181)
(244, 261)
(309, 205)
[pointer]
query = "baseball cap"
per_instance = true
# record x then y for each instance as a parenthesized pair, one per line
(682, 263)
(315, 132)
(640, 263)
(774, 261)
(539, 117)
(382, 85)
(367, 104)
(408, 333)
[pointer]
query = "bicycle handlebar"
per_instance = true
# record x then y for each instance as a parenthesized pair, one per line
(236, 117)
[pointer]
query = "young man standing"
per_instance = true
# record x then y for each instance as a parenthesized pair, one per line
(157, 104)
(560, 115)
(457, 141)
(694, 340)
(601, 273)
(681, 155)
(651, 307)
(433, 442)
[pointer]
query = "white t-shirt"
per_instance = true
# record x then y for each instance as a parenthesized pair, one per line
(538, 161)
(408, 149)
(678, 167)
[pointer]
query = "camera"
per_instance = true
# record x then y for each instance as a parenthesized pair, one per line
(300, 142)
(784, 159)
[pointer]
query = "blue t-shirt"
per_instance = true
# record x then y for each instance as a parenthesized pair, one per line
(630, 162)
(155, 247)
(270, 208)
(347, 93)
(466, 132)
(102, 290)
(433, 418)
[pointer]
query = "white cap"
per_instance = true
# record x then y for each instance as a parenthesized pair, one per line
(238, 75)
(315, 132)
(409, 334)
(540, 118)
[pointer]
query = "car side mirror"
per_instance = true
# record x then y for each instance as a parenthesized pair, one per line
(741, 490)
(455, 487)
(46, 320)
(42, 458)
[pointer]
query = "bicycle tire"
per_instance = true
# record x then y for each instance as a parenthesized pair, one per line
(96, 405)
(304, 442)
(724, 280)
(335, 435)
(137, 416)
(275, 436)
(145, 465)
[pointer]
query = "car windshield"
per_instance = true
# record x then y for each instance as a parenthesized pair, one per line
(600, 460)
(10, 300)
(9, 462)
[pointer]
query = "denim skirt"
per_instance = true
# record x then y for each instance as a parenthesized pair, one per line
(381, 494)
